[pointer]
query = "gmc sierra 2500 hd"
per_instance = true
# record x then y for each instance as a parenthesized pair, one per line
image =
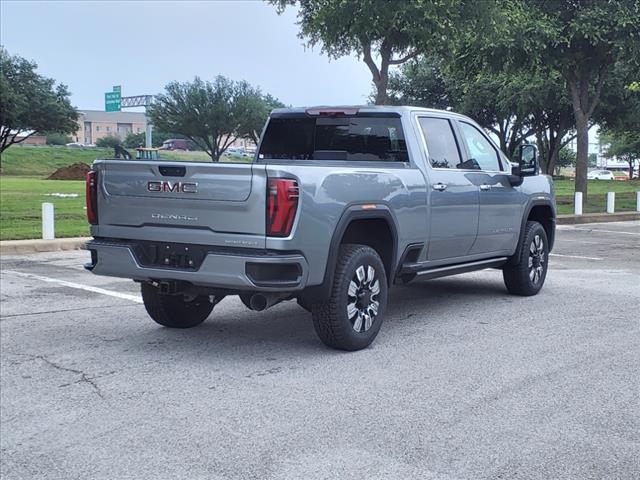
(338, 204)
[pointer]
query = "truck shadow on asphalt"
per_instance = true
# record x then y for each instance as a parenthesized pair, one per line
(287, 328)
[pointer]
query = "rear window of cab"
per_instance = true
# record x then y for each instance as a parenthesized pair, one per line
(348, 138)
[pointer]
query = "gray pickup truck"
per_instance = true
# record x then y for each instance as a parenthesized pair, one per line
(337, 205)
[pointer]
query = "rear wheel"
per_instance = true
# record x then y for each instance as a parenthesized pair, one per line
(351, 318)
(175, 311)
(528, 275)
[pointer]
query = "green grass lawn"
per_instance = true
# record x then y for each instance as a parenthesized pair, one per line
(23, 188)
(21, 201)
(597, 195)
(21, 196)
(43, 161)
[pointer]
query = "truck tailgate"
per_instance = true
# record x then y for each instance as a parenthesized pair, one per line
(210, 203)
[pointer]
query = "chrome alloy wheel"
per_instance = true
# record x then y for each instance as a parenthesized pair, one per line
(536, 259)
(362, 303)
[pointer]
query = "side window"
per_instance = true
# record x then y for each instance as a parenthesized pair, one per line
(441, 142)
(483, 155)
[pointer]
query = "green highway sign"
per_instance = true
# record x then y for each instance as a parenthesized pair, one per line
(117, 88)
(112, 101)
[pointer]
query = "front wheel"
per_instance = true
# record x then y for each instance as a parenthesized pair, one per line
(351, 318)
(527, 276)
(175, 311)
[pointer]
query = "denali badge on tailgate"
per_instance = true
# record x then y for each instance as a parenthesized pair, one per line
(178, 187)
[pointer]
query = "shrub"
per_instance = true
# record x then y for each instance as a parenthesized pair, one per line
(58, 139)
(108, 142)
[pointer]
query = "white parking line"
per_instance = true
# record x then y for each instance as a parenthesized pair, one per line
(64, 283)
(575, 256)
(599, 230)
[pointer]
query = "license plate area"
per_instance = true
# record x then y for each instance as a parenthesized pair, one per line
(179, 256)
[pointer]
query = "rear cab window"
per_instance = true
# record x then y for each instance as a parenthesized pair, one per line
(352, 138)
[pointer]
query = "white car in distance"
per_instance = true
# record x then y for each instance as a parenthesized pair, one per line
(600, 175)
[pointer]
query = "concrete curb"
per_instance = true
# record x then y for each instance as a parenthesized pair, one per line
(597, 218)
(21, 247)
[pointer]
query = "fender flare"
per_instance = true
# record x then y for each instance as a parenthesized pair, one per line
(525, 216)
(351, 213)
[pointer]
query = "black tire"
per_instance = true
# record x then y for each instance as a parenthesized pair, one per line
(331, 320)
(174, 311)
(527, 276)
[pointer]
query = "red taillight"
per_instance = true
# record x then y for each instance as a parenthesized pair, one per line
(92, 197)
(282, 204)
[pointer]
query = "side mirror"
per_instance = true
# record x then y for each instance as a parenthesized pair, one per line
(528, 160)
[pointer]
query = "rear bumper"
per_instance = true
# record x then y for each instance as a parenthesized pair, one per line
(231, 270)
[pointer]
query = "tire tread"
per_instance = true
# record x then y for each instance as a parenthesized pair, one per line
(327, 319)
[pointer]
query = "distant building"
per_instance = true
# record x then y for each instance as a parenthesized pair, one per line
(95, 124)
(33, 140)
(244, 143)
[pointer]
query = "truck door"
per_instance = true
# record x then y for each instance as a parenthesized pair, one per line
(501, 204)
(453, 197)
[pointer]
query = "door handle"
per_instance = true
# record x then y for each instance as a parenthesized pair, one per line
(441, 187)
(485, 187)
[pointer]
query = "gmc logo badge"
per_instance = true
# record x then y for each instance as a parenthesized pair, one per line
(166, 186)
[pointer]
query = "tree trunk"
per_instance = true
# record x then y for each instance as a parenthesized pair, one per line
(578, 81)
(542, 151)
(379, 75)
(554, 152)
(582, 153)
(381, 84)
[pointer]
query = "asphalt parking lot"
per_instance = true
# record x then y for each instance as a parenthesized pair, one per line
(463, 382)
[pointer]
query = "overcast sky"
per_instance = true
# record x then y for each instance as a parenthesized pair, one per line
(92, 45)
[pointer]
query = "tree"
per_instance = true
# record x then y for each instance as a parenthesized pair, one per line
(135, 140)
(211, 114)
(624, 146)
(581, 40)
(552, 118)
(497, 101)
(566, 158)
(30, 103)
(255, 110)
(380, 32)
(422, 82)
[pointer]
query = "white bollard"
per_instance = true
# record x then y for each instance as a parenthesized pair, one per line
(637, 201)
(48, 229)
(577, 209)
(611, 202)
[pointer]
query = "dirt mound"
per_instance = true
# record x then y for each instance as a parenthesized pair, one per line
(76, 171)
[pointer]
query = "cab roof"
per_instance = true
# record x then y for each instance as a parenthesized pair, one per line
(353, 109)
